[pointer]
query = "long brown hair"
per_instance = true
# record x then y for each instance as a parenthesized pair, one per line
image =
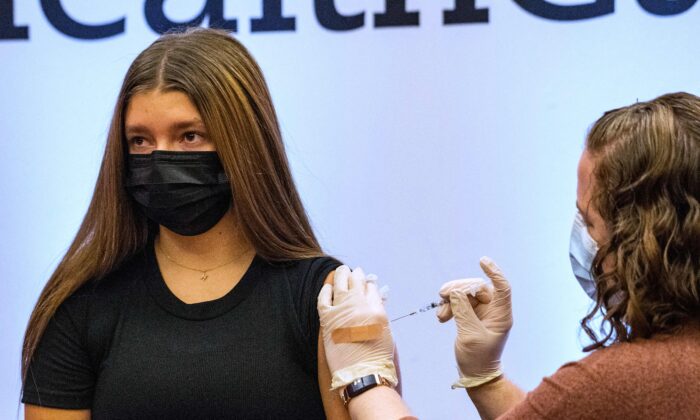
(226, 85)
(647, 189)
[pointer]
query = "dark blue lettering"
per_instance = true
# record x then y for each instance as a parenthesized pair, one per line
(214, 9)
(547, 10)
(666, 7)
(8, 30)
(465, 11)
(395, 14)
(272, 19)
(68, 26)
(329, 18)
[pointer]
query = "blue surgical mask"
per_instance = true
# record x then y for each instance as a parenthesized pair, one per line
(582, 250)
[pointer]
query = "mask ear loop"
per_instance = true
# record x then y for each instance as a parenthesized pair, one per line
(588, 242)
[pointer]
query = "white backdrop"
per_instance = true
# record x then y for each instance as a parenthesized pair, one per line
(416, 150)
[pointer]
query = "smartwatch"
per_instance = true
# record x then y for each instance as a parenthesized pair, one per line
(360, 385)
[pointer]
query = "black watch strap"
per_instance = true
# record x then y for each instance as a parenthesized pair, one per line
(360, 385)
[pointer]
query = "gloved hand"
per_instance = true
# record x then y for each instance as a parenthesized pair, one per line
(482, 330)
(353, 301)
(476, 290)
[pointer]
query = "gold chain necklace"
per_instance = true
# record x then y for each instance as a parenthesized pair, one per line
(205, 274)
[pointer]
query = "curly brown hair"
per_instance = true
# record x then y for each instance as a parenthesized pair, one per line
(647, 189)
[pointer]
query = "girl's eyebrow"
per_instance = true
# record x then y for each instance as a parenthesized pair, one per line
(194, 123)
(179, 125)
(136, 128)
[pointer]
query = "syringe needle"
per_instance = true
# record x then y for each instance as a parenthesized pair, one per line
(404, 316)
(426, 308)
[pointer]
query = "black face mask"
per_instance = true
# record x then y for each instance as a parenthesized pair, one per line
(187, 192)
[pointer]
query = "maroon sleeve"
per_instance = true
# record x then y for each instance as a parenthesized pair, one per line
(575, 391)
(649, 378)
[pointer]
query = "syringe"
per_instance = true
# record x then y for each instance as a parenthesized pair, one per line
(425, 308)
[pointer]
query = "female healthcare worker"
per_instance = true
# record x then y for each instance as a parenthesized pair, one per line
(635, 249)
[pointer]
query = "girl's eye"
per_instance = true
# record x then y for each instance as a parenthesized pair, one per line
(138, 144)
(192, 137)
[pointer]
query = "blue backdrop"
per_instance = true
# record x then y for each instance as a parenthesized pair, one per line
(417, 147)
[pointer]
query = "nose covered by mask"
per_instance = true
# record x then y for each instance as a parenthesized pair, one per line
(187, 192)
(582, 250)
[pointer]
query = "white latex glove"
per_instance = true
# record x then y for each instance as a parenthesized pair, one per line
(482, 330)
(352, 301)
(476, 290)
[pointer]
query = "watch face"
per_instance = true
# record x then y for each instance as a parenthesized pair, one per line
(360, 385)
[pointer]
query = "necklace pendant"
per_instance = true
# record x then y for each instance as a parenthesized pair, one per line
(204, 276)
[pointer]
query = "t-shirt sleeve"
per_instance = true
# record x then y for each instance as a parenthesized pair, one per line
(318, 271)
(576, 391)
(305, 294)
(60, 374)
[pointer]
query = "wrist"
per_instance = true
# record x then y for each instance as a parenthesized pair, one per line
(494, 398)
(386, 369)
(487, 386)
(475, 381)
(362, 385)
(379, 403)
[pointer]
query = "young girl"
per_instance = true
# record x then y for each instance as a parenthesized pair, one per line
(190, 288)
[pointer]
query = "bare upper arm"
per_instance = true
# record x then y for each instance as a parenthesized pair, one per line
(333, 405)
(35, 412)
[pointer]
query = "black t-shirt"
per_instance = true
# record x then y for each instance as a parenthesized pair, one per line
(126, 347)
